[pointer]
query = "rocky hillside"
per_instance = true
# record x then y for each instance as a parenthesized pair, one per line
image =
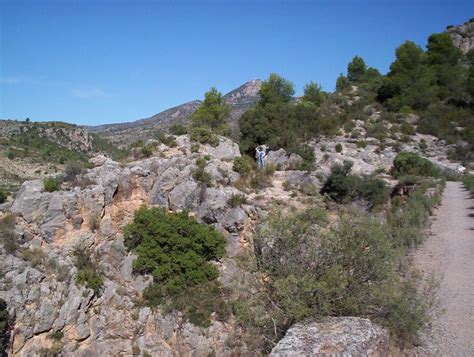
(31, 150)
(240, 99)
(53, 312)
(463, 36)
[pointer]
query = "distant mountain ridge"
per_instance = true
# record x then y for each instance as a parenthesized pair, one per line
(240, 99)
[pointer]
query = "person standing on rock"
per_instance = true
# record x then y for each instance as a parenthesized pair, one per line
(260, 154)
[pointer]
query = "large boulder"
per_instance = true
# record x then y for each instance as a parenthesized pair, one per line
(283, 160)
(227, 150)
(30, 201)
(337, 336)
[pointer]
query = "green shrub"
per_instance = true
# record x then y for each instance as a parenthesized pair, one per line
(204, 135)
(72, 170)
(236, 200)
(361, 144)
(3, 196)
(200, 174)
(147, 151)
(307, 154)
(88, 273)
(35, 256)
(91, 279)
(309, 273)
(7, 233)
(176, 250)
(338, 147)
(169, 140)
(51, 184)
(407, 129)
(178, 129)
(343, 187)
(11, 154)
(409, 163)
(422, 145)
(244, 164)
(4, 328)
(468, 181)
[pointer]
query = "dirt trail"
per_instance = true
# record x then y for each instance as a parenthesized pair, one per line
(449, 255)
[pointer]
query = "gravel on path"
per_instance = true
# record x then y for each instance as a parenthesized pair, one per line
(449, 255)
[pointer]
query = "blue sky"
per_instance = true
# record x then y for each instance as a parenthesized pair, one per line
(104, 61)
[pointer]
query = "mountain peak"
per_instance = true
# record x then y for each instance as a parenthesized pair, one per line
(249, 90)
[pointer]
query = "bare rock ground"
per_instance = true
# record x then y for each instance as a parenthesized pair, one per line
(449, 256)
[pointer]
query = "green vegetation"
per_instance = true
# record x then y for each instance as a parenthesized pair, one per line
(343, 187)
(279, 122)
(7, 234)
(73, 169)
(305, 271)
(32, 144)
(51, 184)
(178, 129)
(208, 121)
(103, 145)
(88, 273)
(3, 196)
(244, 164)
(4, 328)
(409, 163)
(200, 174)
(236, 200)
(176, 251)
(468, 181)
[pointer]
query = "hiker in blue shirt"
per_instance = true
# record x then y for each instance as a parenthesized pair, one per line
(260, 155)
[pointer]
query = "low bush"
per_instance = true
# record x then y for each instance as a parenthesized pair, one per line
(88, 272)
(178, 129)
(343, 187)
(7, 233)
(410, 163)
(338, 147)
(147, 150)
(361, 144)
(204, 135)
(176, 251)
(4, 328)
(3, 196)
(200, 174)
(307, 272)
(72, 170)
(468, 181)
(35, 256)
(244, 164)
(236, 200)
(51, 184)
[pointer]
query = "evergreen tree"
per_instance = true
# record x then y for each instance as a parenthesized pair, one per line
(342, 83)
(313, 94)
(212, 113)
(356, 69)
(276, 90)
(443, 57)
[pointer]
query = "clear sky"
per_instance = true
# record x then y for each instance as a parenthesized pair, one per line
(104, 61)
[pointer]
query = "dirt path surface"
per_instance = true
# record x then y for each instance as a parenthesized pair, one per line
(449, 255)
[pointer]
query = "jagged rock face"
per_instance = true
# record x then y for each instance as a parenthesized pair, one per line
(337, 336)
(463, 36)
(40, 287)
